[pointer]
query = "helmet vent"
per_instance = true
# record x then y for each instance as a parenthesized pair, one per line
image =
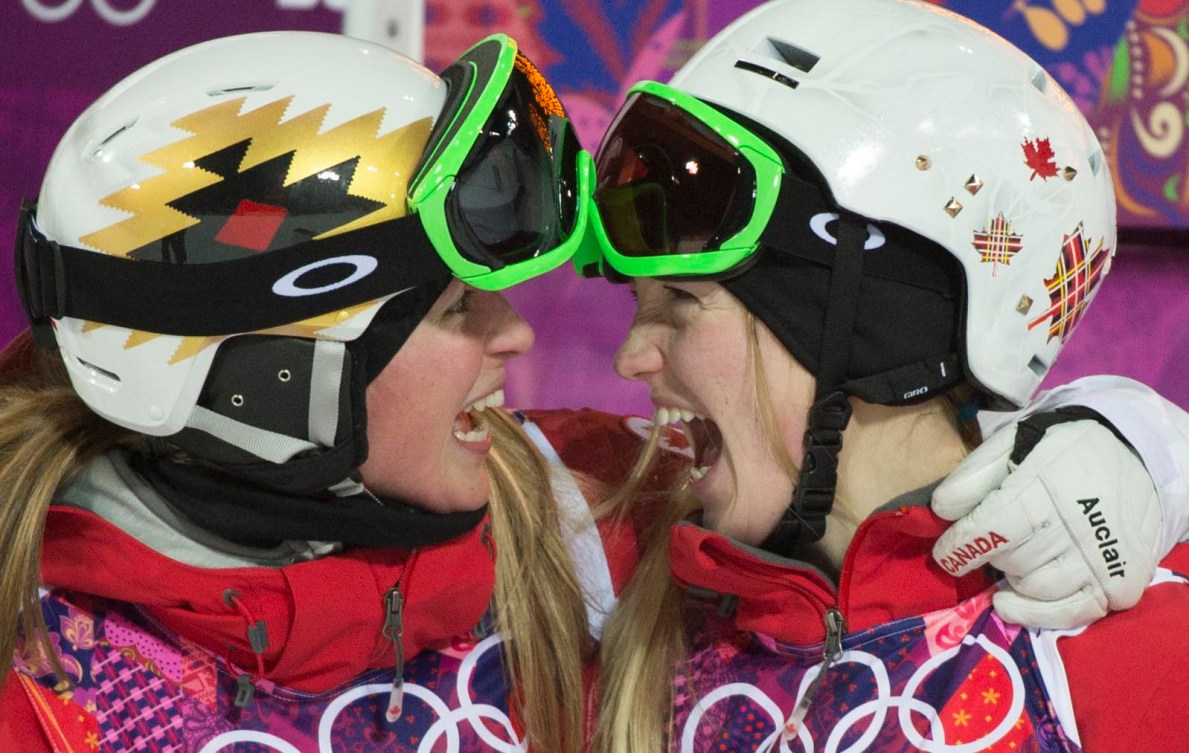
(1038, 367)
(783, 54)
(98, 370)
(776, 76)
(112, 137)
(799, 58)
(239, 89)
(1040, 80)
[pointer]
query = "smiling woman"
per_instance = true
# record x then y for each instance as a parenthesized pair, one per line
(914, 219)
(699, 352)
(256, 492)
(453, 366)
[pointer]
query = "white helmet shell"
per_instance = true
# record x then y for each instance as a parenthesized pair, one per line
(917, 116)
(114, 179)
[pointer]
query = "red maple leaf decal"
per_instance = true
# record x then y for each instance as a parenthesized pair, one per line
(1039, 156)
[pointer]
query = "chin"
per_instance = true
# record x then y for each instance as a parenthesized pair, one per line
(444, 502)
(472, 498)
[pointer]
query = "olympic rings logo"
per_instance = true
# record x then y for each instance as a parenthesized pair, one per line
(448, 727)
(52, 14)
(905, 706)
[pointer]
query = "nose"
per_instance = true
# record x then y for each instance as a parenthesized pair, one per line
(638, 357)
(510, 335)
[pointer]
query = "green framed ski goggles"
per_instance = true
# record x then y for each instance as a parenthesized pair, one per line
(681, 190)
(502, 191)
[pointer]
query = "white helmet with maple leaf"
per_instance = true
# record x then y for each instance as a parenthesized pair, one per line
(916, 116)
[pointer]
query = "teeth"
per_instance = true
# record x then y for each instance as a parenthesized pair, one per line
(477, 434)
(665, 415)
(696, 474)
(494, 400)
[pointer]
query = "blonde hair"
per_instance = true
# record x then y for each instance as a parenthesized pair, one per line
(48, 435)
(645, 640)
(538, 601)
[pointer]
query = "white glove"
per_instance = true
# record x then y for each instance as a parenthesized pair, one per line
(1075, 528)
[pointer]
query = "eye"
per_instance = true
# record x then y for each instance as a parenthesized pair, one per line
(679, 295)
(463, 304)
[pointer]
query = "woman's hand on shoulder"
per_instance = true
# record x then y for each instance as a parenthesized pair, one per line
(1064, 509)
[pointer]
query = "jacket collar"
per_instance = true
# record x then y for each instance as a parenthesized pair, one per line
(888, 573)
(324, 618)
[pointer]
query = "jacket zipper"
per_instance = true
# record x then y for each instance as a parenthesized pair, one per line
(835, 627)
(485, 626)
(393, 630)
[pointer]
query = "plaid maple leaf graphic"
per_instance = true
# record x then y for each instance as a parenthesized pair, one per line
(1079, 272)
(997, 244)
(1038, 155)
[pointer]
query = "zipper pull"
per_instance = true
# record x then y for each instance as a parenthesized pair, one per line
(393, 630)
(835, 627)
(244, 690)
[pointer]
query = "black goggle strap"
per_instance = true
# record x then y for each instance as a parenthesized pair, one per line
(222, 298)
(805, 519)
(30, 271)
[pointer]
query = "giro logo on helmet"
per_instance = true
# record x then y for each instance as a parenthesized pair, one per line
(820, 225)
(362, 266)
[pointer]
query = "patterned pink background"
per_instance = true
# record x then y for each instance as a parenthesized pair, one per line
(1126, 62)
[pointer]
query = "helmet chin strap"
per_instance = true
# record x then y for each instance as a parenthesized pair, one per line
(804, 521)
(289, 414)
(281, 430)
(282, 413)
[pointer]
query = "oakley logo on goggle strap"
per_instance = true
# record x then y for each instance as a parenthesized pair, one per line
(820, 225)
(362, 266)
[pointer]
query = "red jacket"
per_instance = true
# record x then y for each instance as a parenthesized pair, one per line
(323, 619)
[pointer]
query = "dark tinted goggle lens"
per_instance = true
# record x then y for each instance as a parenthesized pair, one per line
(565, 171)
(515, 195)
(667, 184)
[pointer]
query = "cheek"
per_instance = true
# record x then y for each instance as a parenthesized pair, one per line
(393, 427)
(403, 410)
(792, 400)
(710, 357)
(790, 389)
(411, 457)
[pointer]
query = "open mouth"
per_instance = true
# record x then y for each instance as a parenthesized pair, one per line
(702, 434)
(469, 425)
(706, 441)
